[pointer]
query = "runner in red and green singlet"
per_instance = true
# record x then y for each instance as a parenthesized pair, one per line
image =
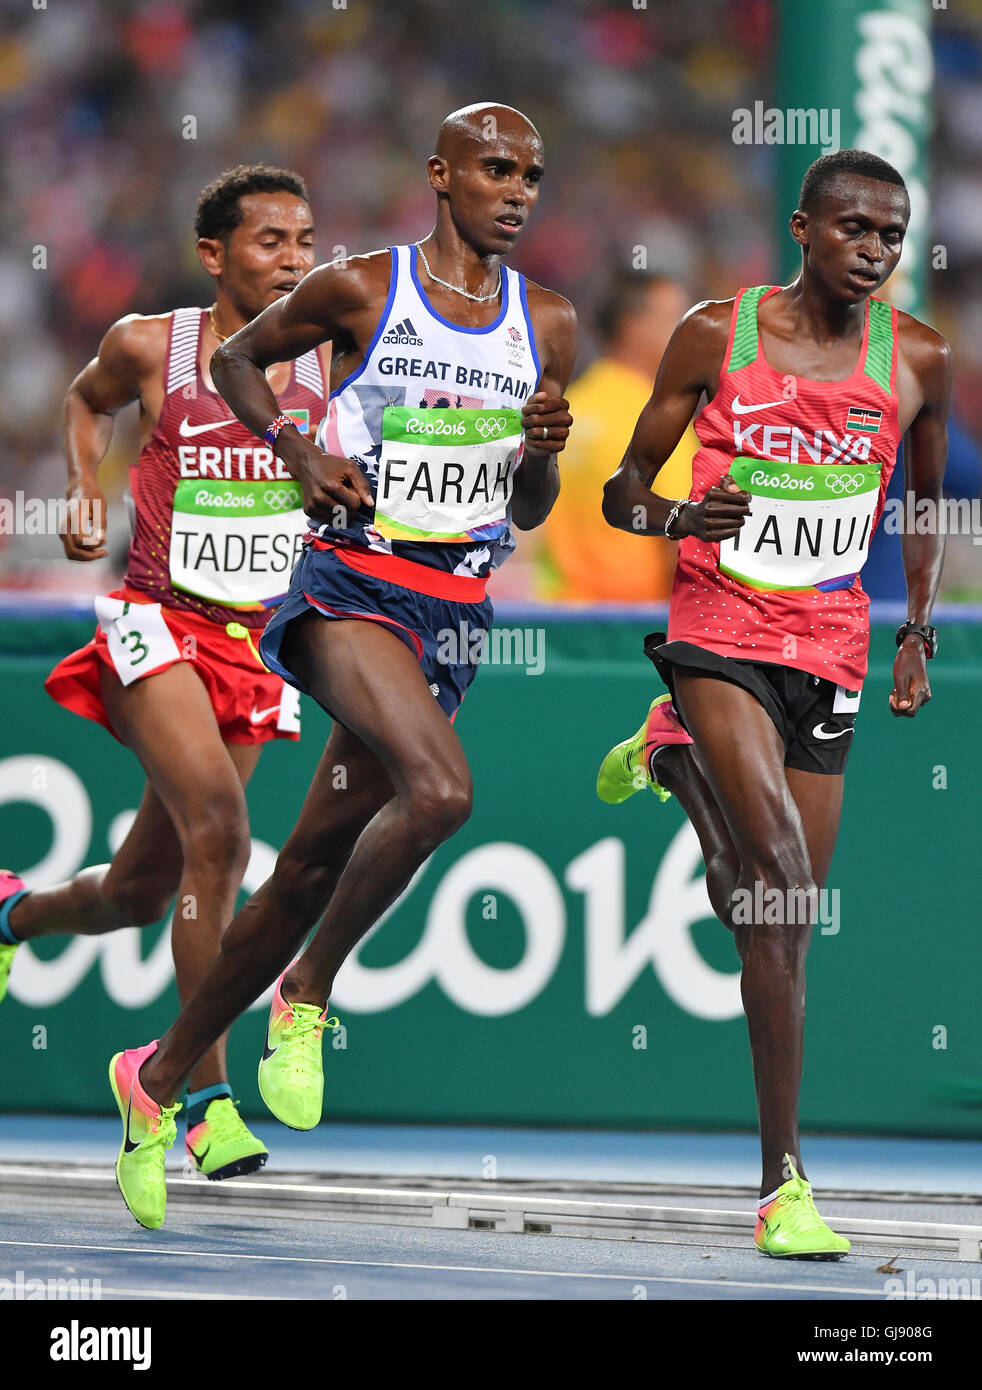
(810, 390)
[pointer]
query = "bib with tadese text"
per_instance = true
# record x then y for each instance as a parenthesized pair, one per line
(235, 543)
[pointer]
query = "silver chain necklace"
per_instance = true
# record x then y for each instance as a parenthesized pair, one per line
(477, 298)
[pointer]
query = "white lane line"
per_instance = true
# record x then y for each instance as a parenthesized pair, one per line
(453, 1269)
(179, 1294)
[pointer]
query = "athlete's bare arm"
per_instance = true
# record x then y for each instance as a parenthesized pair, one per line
(536, 480)
(127, 367)
(924, 392)
(339, 301)
(690, 368)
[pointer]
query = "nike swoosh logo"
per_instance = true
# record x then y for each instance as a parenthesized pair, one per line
(200, 1156)
(739, 409)
(267, 1050)
(257, 715)
(128, 1145)
(819, 732)
(187, 431)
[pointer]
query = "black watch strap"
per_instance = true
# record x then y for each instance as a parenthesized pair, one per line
(928, 635)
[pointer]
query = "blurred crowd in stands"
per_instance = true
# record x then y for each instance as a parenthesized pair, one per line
(116, 115)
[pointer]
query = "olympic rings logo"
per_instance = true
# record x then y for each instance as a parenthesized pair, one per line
(281, 500)
(491, 429)
(843, 484)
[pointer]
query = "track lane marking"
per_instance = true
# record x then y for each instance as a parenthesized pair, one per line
(453, 1269)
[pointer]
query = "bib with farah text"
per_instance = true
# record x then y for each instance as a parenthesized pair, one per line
(445, 476)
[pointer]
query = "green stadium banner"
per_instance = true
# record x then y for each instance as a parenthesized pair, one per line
(556, 962)
(868, 65)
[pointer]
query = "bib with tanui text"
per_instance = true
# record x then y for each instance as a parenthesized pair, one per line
(235, 543)
(808, 525)
(446, 475)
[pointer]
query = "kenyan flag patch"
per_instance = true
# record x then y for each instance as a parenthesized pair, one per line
(301, 418)
(866, 421)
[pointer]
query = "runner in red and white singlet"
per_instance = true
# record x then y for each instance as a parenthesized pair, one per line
(810, 390)
(174, 670)
(217, 532)
(218, 527)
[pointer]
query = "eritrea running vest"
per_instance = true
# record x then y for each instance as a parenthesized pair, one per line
(218, 520)
(816, 457)
(433, 418)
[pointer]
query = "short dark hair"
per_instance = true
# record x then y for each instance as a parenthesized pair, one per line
(218, 212)
(622, 296)
(820, 176)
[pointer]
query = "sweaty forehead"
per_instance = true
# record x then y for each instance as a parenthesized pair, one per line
(280, 209)
(488, 131)
(868, 197)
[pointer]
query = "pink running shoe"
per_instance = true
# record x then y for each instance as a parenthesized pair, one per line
(148, 1132)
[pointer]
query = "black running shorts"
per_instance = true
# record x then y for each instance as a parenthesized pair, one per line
(814, 717)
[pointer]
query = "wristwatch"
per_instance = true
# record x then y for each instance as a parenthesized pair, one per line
(928, 635)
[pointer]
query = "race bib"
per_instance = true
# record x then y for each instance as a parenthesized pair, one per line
(235, 543)
(846, 701)
(445, 476)
(138, 638)
(809, 525)
(288, 718)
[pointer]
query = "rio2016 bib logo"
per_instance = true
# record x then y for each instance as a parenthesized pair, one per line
(614, 957)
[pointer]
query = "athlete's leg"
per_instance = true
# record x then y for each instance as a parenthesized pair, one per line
(349, 787)
(200, 787)
(393, 711)
(135, 890)
(748, 780)
(818, 797)
(372, 683)
(194, 949)
(677, 768)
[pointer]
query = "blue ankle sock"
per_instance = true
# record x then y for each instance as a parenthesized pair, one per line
(7, 937)
(198, 1101)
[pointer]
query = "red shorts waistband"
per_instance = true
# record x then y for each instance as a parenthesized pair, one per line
(188, 616)
(463, 588)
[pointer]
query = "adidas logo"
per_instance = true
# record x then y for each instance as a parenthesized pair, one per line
(403, 335)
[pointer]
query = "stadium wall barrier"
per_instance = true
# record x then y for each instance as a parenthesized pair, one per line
(556, 962)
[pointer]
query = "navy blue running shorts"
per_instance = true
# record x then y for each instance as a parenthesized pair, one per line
(445, 635)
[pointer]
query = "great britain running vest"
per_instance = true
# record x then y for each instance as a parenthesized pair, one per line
(433, 417)
(218, 520)
(816, 457)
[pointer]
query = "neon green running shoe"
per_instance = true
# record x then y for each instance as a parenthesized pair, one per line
(291, 1072)
(148, 1132)
(7, 954)
(221, 1145)
(789, 1227)
(626, 768)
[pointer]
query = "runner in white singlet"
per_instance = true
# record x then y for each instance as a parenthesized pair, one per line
(445, 420)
